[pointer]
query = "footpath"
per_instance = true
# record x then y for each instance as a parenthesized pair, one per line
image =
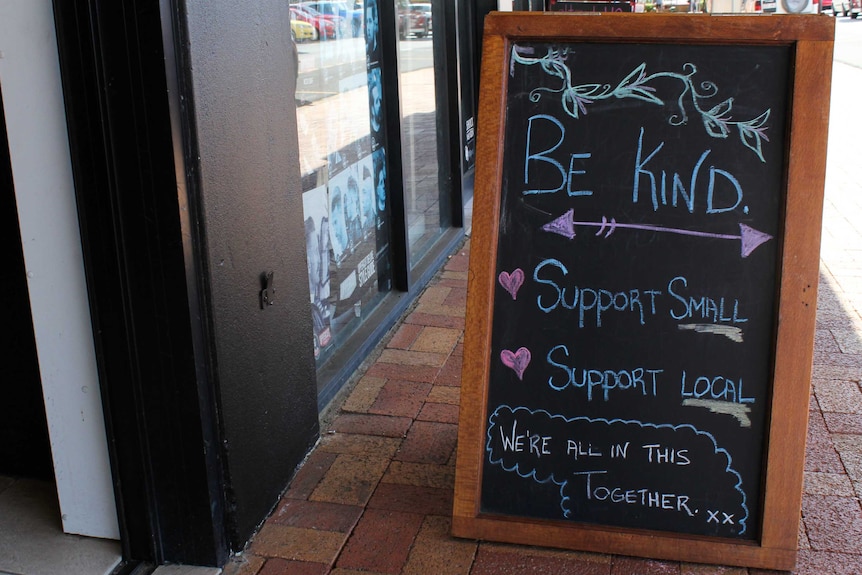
(375, 495)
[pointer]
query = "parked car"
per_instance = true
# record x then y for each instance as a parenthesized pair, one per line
(850, 8)
(411, 21)
(352, 17)
(302, 31)
(826, 6)
(328, 27)
(425, 9)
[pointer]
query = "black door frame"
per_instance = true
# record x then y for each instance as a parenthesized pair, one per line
(155, 370)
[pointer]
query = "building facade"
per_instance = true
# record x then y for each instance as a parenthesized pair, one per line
(213, 215)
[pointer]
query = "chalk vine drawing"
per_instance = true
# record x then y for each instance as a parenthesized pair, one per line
(717, 120)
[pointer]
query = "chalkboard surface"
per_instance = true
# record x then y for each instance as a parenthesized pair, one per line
(632, 331)
(640, 210)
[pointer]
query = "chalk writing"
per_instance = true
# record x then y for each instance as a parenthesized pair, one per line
(635, 285)
(524, 441)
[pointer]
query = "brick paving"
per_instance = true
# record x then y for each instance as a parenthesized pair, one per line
(375, 495)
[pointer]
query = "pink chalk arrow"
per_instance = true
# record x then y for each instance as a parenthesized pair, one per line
(564, 225)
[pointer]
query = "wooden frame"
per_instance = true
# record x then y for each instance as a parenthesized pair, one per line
(812, 41)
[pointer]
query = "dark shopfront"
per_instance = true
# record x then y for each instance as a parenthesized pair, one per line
(254, 216)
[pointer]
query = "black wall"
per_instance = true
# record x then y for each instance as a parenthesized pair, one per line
(248, 185)
(188, 190)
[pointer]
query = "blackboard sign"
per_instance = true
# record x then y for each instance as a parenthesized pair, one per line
(624, 347)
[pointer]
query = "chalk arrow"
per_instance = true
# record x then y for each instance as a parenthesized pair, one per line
(564, 225)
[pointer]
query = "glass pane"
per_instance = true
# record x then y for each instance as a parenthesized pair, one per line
(346, 228)
(418, 126)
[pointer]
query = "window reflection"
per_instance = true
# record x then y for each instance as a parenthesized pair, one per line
(419, 129)
(346, 218)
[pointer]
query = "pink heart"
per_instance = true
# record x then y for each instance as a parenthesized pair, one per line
(517, 361)
(512, 282)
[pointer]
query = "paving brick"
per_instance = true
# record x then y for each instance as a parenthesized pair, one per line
(838, 396)
(310, 474)
(844, 423)
(828, 484)
(401, 398)
(407, 333)
(439, 340)
(454, 276)
(396, 371)
(697, 569)
(850, 449)
(357, 444)
(433, 295)
(412, 499)
(599, 558)
(364, 394)
(444, 394)
(635, 566)
(422, 474)
(298, 544)
(802, 541)
(450, 373)
(406, 357)
(494, 561)
(852, 360)
(442, 310)
(459, 262)
(834, 371)
(426, 317)
(381, 541)
(442, 412)
(848, 340)
(278, 566)
(833, 523)
(428, 442)
(825, 342)
(435, 551)
(244, 564)
(811, 562)
(351, 479)
(370, 424)
(457, 298)
(453, 280)
(317, 515)
(820, 454)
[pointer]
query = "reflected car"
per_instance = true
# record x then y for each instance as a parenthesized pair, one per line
(850, 8)
(302, 31)
(352, 16)
(328, 27)
(425, 9)
(411, 21)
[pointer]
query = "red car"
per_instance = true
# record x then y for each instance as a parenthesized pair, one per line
(328, 27)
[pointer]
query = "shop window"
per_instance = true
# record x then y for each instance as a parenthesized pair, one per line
(343, 172)
(370, 138)
(420, 128)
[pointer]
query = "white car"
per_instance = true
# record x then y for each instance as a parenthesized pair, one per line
(846, 8)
